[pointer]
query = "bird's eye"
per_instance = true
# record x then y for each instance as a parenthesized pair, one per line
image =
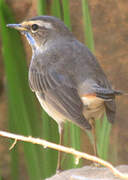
(35, 27)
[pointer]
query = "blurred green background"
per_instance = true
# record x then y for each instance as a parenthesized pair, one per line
(101, 22)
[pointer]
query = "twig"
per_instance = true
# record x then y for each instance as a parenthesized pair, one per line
(13, 144)
(77, 154)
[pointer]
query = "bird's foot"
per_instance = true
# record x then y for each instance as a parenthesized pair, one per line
(58, 171)
(95, 164)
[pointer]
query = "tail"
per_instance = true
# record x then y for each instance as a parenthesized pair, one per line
(109, 99)
(125, 94)
(110, 106)
(108, 94)
(118, 93)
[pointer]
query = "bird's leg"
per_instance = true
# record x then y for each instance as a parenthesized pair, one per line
(59, 152)
(92, 122)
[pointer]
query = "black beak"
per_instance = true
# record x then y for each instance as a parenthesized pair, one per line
(19, 27)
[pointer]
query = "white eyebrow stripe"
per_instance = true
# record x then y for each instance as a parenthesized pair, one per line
(47, 25)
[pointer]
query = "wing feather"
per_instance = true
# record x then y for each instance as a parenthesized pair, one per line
(60, 92)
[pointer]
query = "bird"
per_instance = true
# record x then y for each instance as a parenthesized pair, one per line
(65, 76)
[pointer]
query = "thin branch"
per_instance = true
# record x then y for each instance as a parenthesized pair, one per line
(72, 151)
(13, 144)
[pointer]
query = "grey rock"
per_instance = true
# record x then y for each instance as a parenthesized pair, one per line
(89, 173)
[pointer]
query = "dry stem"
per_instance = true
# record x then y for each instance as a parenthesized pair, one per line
(77, 154)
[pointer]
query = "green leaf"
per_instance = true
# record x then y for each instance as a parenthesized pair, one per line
(66, 13)
(87, 26)
(0, 176)
(104, 136)
(41, 7)
(21, 101)
(14, 164)
(50, 133)
(56, 9)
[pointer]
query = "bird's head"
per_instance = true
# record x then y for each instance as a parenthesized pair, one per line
(40, 29)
